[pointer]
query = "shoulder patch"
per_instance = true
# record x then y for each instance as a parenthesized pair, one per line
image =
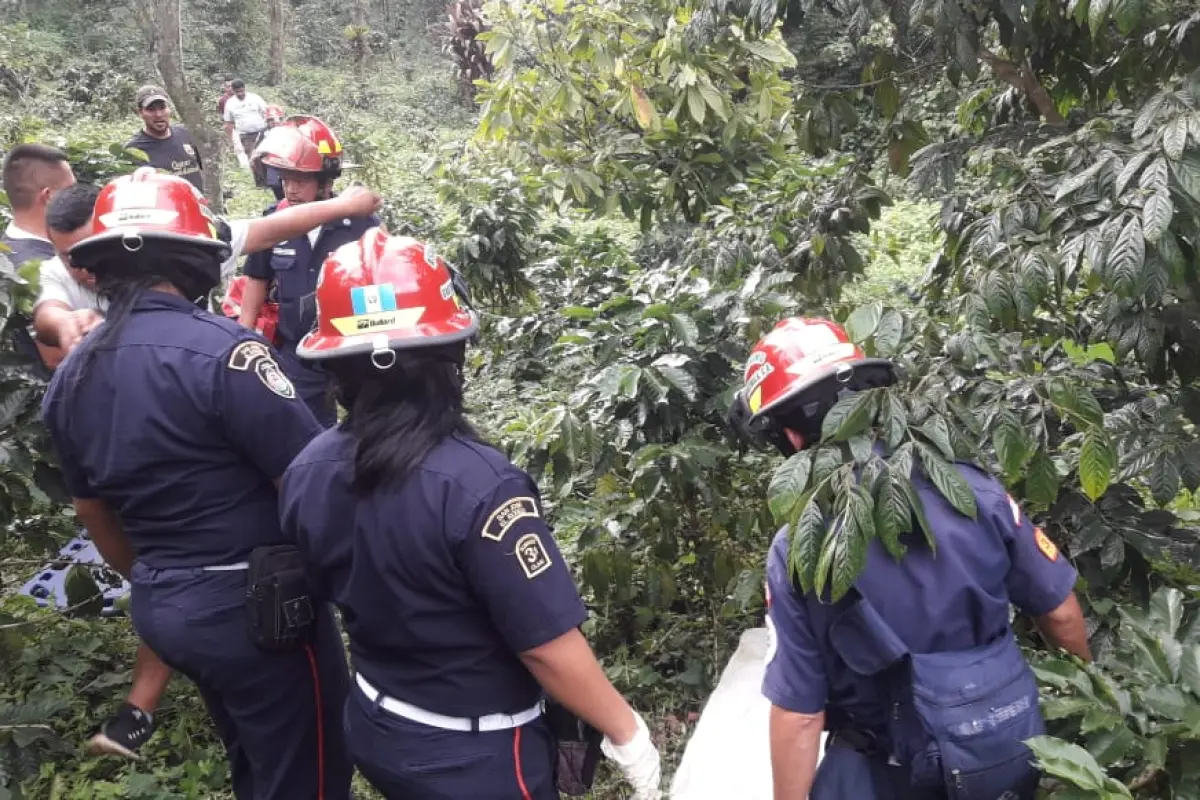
(503, 517)
(243, 356)
(1049, 549)
(532, 555)
(273, 378)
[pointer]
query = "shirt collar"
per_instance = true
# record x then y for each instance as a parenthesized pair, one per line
(151, 300)
(14, 231)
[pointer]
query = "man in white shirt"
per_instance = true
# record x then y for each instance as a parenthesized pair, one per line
(246, 117)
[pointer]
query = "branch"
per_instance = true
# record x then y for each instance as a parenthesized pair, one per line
(1020, 77)
(868, 84)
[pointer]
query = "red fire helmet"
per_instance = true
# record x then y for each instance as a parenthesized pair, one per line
(385, 293)
(274, 114)
(798, 354)
(150, 205)
(303, 144)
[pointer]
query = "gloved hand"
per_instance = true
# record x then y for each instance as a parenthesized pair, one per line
(638, 761)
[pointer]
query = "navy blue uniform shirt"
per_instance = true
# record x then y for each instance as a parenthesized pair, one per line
(441, 580)
(295, 266)
(957, 599)
(181, 425)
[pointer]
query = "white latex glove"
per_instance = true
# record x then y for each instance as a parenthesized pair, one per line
(638, 761)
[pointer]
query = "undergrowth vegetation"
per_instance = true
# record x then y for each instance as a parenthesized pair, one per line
(1002, 197)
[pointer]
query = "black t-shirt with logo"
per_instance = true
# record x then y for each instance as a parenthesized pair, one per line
(177, 154)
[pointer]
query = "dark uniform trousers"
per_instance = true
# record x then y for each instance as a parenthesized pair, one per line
(278, 714)
(847, 774)
(408, 760)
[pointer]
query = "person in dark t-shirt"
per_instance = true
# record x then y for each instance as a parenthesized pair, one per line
(170, 148)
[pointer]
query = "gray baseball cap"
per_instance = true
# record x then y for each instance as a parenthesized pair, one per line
(151, 94)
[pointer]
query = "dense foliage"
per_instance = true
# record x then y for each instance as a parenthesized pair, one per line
(647, 187)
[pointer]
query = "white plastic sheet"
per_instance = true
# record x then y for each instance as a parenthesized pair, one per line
(728, 756)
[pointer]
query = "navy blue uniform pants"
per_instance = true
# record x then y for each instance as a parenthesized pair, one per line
(407, 760)
(846, 774)
(278, 714)
(312, 384)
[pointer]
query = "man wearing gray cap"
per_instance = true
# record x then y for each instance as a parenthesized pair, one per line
(169, 148)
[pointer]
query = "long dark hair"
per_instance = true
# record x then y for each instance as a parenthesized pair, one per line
(398, 415)
(122, 276)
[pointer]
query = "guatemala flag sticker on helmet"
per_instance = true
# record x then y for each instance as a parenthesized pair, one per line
(382, 292)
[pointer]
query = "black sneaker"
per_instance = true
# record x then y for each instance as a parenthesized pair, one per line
(123, 734)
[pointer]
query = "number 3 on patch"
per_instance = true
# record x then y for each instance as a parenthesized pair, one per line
(532, 555)
(1048, 548)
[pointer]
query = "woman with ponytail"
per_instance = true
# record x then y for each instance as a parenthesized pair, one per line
(173, 427)
(462, 616)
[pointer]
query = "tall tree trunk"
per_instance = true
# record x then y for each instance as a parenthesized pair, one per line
(164, 35)
(362, 48)
(275, 12)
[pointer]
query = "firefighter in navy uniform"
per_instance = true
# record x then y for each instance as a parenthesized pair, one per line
(309, 158)
(915, 673)
(460, 610)
(173, 427)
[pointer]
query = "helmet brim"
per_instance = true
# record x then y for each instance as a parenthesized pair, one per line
(820, 375)
(82, 252)
(316, 346)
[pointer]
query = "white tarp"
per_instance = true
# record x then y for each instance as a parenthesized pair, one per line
(729, 755)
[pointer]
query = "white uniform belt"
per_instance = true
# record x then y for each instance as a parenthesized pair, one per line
(228, 567)
(492, 722)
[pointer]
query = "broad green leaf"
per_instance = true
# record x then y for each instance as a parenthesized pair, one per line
(1187, 172)
(807, 538)
(1157, 215)
(1164, 479)
(1154, 751)
(850, 416)
(788, 486)
(1098, 15)
(1189, 668)
(1166, 611)
(1111, 746)
(863, 321)
(1097, 460)
(685, 329)
(894, 420)
(578, 312)
(862, 447)
(1064, 674)
(1168, 702)
(1174, 137)
(81, 590)
(937, 431)
(892, 514)
(1064, 707)
(1068, 762)
(1011, 442)
(696, 105)
(770, 50)
(889, 332)
(680, 379)
(1041, 481)
(949, 481)
(1127, 14)
(1126, 258)
(857, 533)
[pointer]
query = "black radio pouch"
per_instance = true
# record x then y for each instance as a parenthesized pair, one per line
(578, 746)
(279, 604)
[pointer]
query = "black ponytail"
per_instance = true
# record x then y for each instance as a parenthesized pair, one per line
(398, 415)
